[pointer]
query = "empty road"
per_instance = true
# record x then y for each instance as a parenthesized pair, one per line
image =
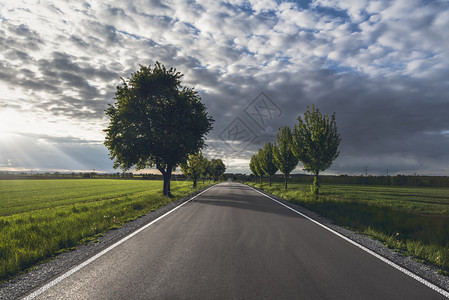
(233, 243)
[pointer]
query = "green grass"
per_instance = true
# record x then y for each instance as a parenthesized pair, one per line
(40, 218)
(423, 200)
(413, 220)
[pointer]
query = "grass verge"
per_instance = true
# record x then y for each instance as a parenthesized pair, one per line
(38, 221)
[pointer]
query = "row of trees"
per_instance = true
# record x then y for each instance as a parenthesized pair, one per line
(157, 122)
(313, 141)
(197, 165)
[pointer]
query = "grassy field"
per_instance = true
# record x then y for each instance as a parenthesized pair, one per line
(413, 220)
(40, 218)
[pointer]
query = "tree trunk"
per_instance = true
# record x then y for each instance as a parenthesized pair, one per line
(194, 182)
(286, 177)
(270, 179)
(165, 189)
(169, 171)
(317, 184)
(167, 177)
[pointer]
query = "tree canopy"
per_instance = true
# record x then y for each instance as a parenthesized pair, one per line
(266, 160)
(258, 164)
(195, 166)
(252, 165)
(256, 167)
(282, 153)
(217, 168)
(155, 122)
(315, 142)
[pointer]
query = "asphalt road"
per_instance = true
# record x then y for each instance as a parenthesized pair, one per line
(233, 243)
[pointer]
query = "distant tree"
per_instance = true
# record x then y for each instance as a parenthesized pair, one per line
(252, 166)
(256, 168)
(206, 170)
(258, 165)
(217, 168)
(315, 143)
(266, 160)
(155, 121)
(282, 153)
(194, 166)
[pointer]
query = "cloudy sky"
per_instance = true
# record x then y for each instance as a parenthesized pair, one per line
(381, 66)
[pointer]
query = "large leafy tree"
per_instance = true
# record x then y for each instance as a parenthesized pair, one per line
(282, 153)
(217, 168)
(315, 143)
(155, 122)
(266, 160)
(194, 167)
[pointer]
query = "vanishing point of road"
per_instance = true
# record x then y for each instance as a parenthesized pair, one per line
(231, 242)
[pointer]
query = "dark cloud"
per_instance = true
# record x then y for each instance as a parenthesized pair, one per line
(79, 42)
(18, 55)
(20, 37)
(378, 119)
(62, 73)
(382, 67)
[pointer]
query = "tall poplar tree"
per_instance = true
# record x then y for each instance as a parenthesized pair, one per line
(315, 143)
(252, 166)
(282, 153)
(266, 160)
(257, 163)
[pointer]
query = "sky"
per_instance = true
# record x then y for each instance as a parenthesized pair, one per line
(381, 66)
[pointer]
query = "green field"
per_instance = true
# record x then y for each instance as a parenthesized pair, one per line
(40, 218)
(412, 220)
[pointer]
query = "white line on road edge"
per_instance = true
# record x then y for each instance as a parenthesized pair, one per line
(93, 258)
(385, 260)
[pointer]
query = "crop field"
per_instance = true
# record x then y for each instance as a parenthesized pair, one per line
(40, 218)
(412, 220)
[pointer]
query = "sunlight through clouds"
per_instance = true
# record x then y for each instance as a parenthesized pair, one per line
(381, 65)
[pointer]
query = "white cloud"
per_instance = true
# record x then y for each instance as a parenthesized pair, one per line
(260, 6)
(60, 60)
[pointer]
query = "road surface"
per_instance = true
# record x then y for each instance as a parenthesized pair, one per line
(233, 243)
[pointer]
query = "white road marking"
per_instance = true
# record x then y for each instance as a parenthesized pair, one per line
(387, 261)
(93, 258)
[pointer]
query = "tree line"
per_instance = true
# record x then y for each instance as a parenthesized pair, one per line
(313, 141)
(158, 122)
(197, 165)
